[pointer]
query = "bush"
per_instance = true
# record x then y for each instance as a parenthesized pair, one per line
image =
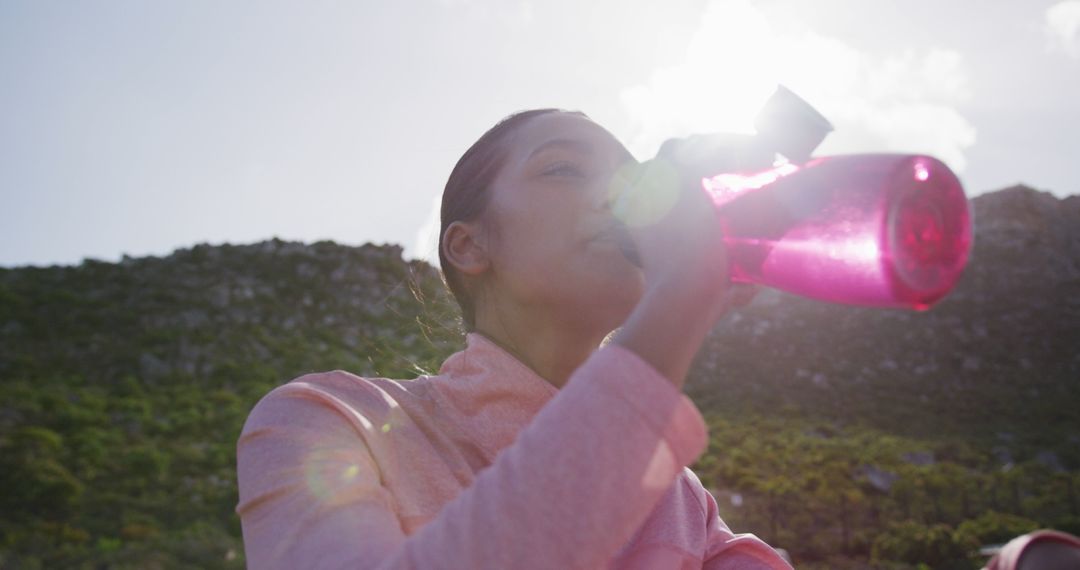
(937, 546)
(993, 527)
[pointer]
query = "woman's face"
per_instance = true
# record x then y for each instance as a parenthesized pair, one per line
(553, 249)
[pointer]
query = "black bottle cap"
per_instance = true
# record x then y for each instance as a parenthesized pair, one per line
(791, 125)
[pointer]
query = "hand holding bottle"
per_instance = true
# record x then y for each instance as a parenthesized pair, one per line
(679, 244)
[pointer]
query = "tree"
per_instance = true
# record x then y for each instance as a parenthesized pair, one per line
(33, 479)
(993, 527)
(936, 545)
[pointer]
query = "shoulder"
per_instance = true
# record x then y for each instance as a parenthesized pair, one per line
(703, 498)
(692, 486)
(362, 402)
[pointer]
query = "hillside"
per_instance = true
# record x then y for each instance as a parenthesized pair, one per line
(123, 387)
(955, 419)
(868, 434)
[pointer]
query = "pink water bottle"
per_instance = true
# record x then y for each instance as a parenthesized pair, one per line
(883, 230)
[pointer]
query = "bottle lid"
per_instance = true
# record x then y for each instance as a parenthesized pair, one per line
(791, 125)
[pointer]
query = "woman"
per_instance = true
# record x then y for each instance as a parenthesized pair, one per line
(535, 447)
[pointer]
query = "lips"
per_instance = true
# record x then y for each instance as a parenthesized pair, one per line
(618, 234)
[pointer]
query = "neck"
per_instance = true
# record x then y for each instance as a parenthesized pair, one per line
(552, 349)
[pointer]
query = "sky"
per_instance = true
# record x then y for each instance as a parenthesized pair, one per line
(136, 128)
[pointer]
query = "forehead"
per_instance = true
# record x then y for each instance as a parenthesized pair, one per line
(566, 129)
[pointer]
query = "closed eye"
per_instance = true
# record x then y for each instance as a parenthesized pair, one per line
(565, 169)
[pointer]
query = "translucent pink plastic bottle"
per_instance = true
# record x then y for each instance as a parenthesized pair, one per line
(882, 230)
(879, 230)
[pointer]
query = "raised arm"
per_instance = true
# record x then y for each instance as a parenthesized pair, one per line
(573, 488)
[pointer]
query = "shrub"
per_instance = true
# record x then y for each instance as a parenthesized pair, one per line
(937, 546)
(993, 527)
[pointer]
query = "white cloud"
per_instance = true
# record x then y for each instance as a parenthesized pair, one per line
(1063, 27)
(902, 102)
(425, 245)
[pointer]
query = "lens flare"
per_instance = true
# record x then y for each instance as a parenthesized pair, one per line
(329, 472)
(350, 473)
(642, 194)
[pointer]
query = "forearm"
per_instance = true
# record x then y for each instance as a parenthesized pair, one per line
(580, 479)
(668, 327)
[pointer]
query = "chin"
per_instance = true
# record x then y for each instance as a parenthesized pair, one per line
(599, 315)
(602, 305)
(615, 309)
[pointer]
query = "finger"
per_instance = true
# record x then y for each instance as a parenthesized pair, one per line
(700, 156)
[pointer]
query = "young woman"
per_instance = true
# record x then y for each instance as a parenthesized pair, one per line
(539, 445)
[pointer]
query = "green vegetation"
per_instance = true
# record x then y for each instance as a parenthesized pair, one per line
(123, 387)
(836, 497)
(849, 437)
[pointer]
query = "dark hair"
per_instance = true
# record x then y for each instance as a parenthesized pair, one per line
(467, 194)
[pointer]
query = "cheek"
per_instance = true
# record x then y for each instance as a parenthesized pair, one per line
(543, 255)
(549, 260)
(537, 247)
(539, 233)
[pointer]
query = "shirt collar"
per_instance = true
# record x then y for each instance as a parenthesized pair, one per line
(493, 394)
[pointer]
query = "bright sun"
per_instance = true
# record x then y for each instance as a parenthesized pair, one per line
(906, 101)
(731, 67)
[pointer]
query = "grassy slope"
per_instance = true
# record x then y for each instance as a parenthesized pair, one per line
(839, 433)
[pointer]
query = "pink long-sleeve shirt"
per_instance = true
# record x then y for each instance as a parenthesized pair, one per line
(485, 465)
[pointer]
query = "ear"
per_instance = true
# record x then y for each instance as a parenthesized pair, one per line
(465, 247)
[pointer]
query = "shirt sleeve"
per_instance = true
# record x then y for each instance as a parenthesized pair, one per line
(573, 488)
(725, 550)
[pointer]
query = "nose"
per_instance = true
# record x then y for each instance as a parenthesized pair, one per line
(597, 198)
(604, 193)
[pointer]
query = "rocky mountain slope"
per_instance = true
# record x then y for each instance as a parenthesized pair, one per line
(123, 387)
(200, 312)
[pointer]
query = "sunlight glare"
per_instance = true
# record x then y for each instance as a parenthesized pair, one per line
(922, 173)
(731, 68)
(726, 187)
(896, 101)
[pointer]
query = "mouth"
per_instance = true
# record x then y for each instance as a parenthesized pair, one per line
(617, 234)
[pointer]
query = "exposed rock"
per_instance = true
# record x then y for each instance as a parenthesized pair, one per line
(878, 478)
(151, 366)
(1050, 460)
(920, 458)
(188, 314)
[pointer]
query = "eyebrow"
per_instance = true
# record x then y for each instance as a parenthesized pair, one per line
(579, 145)
(574, 144)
